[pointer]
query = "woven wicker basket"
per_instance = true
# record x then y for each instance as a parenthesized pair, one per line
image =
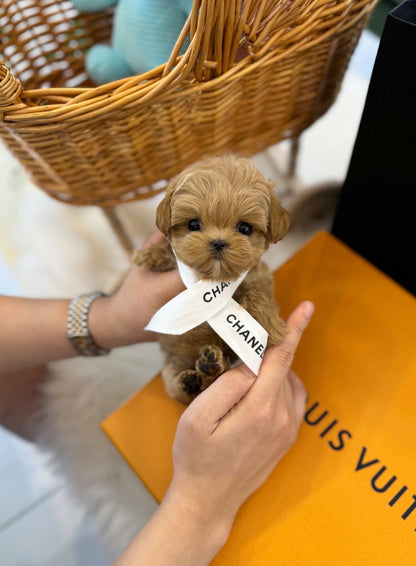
(256, 72)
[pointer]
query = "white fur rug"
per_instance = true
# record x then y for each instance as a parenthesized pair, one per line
(78, 396)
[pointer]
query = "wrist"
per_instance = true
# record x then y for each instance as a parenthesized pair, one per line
(209, 525)
(103, 325)
(180, 533)
(110, 326)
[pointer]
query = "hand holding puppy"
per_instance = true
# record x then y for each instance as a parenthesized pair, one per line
(119, 320)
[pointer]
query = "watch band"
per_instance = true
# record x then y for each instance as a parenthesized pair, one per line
(78, 332)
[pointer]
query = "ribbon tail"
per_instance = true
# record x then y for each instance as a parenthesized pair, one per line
(245, 336)
(173, 321)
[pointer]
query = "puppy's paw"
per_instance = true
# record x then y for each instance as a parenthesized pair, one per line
(191, 382)
(208, 367)
(210, 362)
(156, 258)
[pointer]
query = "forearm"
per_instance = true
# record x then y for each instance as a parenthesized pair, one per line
(34, 331)
(178, 534)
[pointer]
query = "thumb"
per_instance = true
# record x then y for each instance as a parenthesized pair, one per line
(155, 237)
(164, 286)
(220, 397)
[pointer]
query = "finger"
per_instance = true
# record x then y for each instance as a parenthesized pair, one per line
(295, 326)
(155, 238)
(216, 402)
(299, 395)
(278, 359)
(282, 356)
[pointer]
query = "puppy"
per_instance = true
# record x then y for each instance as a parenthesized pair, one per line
(219, 216)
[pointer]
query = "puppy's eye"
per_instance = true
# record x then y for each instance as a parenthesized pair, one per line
(245, 228)
(194, 225)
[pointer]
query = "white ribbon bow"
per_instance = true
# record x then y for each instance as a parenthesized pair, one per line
(212, 302)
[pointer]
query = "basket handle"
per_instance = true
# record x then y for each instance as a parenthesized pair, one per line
(10, 88)
(217, 30)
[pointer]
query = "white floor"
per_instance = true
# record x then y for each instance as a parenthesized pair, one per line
(39, 524)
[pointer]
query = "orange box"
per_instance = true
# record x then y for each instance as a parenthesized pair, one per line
(346, 492)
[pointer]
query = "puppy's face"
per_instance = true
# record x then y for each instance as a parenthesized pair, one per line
(220, 216)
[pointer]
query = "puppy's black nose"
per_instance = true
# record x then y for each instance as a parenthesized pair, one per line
(218, 246)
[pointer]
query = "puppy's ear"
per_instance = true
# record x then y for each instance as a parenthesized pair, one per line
(279, 221)
(163, 214)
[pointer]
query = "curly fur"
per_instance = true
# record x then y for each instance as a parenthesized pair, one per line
(231, 202)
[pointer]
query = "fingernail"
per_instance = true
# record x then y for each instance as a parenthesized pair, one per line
(308, 309)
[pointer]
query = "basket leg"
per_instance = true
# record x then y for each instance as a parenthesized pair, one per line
(293, 157)
(119, 230)
(287, 170)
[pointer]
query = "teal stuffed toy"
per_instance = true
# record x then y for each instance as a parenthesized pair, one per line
(144, 33)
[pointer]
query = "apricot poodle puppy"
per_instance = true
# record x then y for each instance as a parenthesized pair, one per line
(219, 216)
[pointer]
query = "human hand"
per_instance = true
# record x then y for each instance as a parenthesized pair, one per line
(234, 433)
(128, 311)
